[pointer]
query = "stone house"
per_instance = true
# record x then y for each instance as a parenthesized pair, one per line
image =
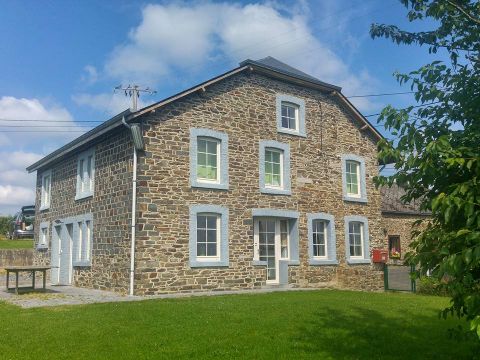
(399, 219)
(262, 176)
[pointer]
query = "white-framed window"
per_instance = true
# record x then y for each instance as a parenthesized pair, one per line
(43, 236)
(208, 240)
(354, 178)
(208, 236)
(355, 237)
(274, 168)
(208, 159)
(357, 247)
(290, 115)
(83, 238)
(46, 190)
(85, 174)
(321, 239)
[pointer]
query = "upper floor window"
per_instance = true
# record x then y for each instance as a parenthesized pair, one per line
(46, 189)
(208, 236)
(290, 115)
(274, 168)
(353, 175)
(85, 174)
(208, 159)
(321, 239)
(208, 150)
(357, 246)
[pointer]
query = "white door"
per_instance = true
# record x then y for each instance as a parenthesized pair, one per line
(65, 266)
(273, 244)
(55, 255)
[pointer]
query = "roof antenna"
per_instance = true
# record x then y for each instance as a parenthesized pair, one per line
(134, 92)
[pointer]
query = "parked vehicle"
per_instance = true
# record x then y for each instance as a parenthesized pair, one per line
(22, 223)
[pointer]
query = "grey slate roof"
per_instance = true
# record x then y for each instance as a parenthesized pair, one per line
(276, 65)
(392, 204)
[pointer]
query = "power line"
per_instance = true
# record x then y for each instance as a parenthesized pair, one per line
(55, 121)
(416, 106)
(384, 94)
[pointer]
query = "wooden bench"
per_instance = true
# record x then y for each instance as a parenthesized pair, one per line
(31, 269)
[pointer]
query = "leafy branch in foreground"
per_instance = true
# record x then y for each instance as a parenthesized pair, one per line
(437, 151)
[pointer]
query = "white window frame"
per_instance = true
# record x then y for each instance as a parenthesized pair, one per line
(358, 194)
(330, 257)
(284, 150)
(365, 257)
(219, 163)
(83, 179)
(362, 240)
(43, 241)
(300, 129)
(222, 258)
(218, 230)
(278, 239)
(361, 178)
(296, 118)
(282, 157)
(325, 239)
(46, 194)
(82, 240)
(222, 159)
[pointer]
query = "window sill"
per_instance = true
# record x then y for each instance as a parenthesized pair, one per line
(44, 207)
(83, 263)
(42, 247)
(291, 132)
(272, 191)
(207, 185)
(259, 263)
(211, 263)
(355, 199)
(358, 261)
(83, 196)
(315, 262)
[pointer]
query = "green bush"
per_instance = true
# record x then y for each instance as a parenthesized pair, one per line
(428, 285)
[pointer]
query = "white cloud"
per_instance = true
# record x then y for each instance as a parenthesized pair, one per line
(110, 104)
(24, 142)
(184, 39)
(90, 75)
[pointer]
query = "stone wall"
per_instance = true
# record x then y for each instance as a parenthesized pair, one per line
(16, 257)
(243, 106)
(400, 225)
(110, 206)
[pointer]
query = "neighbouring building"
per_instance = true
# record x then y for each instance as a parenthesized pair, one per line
(262, 176)
(399, 219)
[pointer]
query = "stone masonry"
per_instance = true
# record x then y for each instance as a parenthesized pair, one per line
(243, 106)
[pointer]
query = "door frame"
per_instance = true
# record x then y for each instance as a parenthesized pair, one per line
(277, 244)
(57, 259)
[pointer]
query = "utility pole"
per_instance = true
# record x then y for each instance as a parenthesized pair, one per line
(134, 92)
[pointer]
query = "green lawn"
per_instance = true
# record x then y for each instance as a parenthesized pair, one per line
(16, 244)
(293, 325)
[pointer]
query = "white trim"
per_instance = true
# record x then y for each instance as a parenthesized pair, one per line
(45, 203)
(85, 181)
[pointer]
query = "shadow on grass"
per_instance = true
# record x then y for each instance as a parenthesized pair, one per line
(368, 334)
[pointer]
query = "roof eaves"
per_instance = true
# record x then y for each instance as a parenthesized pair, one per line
(80, 141)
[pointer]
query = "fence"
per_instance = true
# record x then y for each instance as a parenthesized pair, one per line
(397, 277)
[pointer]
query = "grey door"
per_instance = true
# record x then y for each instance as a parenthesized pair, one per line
(65, 268)
(55, 254)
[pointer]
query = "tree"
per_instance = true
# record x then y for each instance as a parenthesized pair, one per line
(437, 150)
(5, 224)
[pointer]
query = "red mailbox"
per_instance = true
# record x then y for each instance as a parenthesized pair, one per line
(380, 256)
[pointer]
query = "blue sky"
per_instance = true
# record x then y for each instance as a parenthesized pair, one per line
(61, 60)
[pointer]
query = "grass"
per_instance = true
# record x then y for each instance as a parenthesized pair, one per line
(282, 325)
(16, 244)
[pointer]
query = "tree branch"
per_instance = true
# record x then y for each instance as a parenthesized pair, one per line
(464, 12)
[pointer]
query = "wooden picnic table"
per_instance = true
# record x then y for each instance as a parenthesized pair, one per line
(32, 269)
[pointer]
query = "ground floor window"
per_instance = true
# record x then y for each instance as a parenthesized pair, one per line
(208, 230)
(357, 244)
(355, 235)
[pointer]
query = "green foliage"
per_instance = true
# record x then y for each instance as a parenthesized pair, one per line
(437, 153)
(5, 224)
(428, 285)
